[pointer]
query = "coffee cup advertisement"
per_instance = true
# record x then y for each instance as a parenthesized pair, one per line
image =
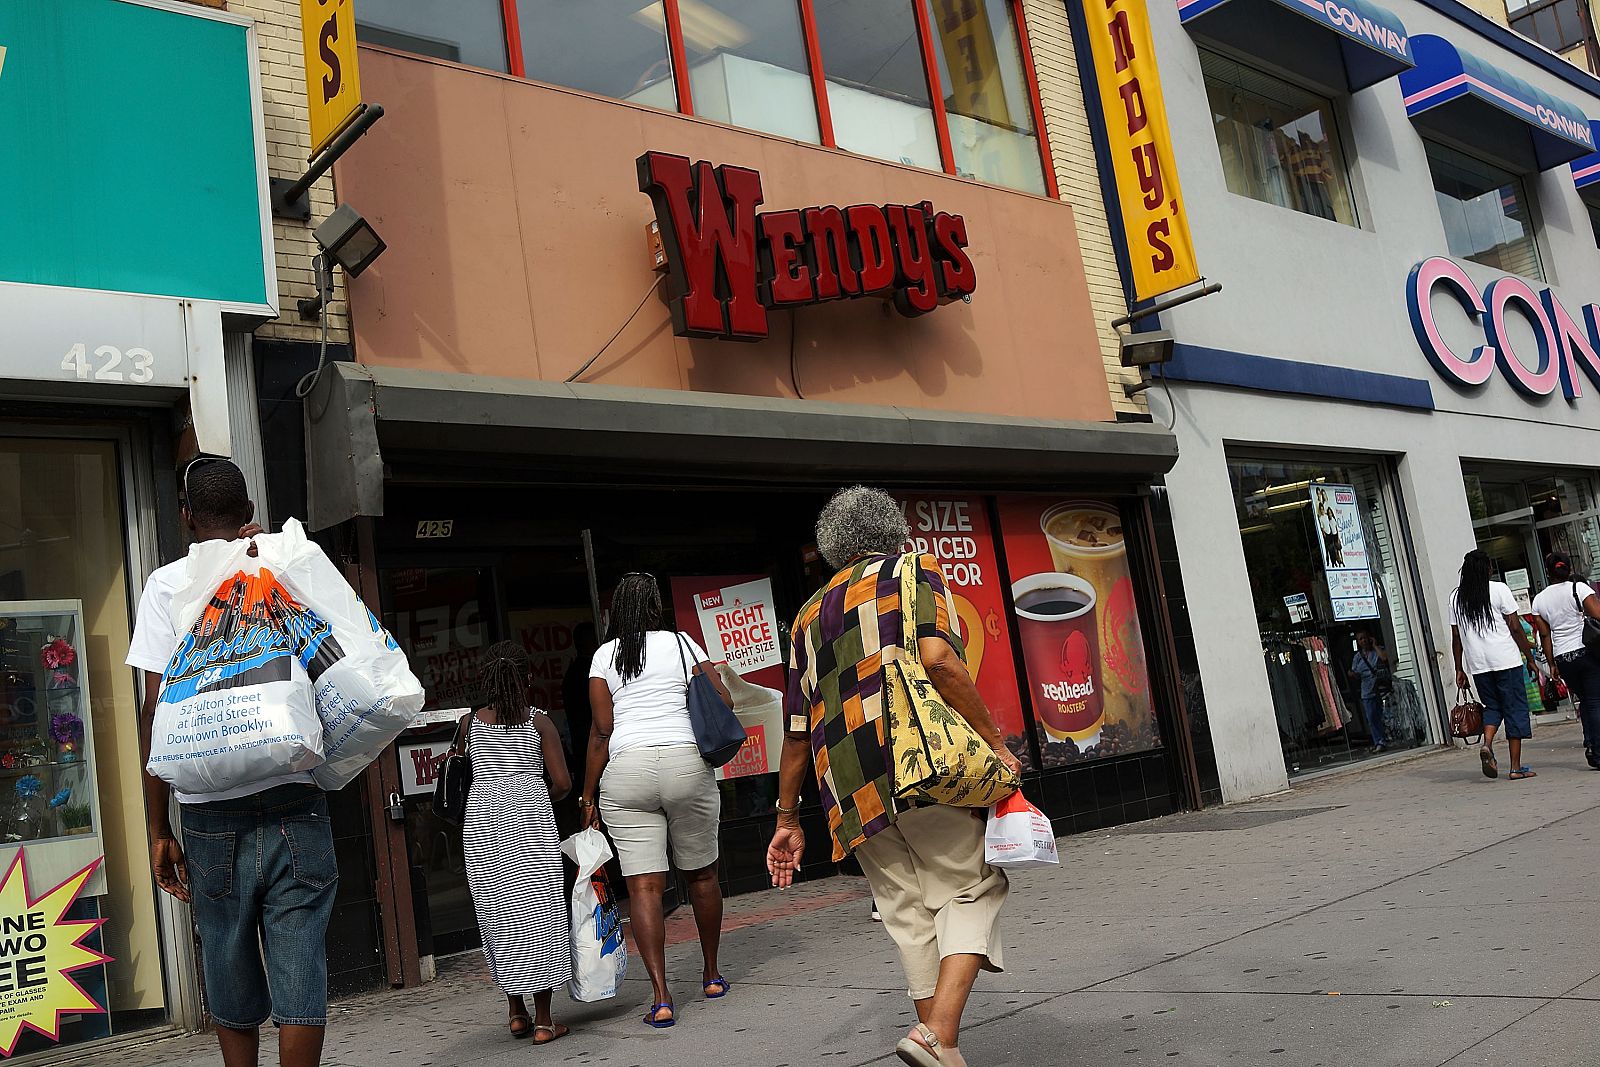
(1078, 622)
(734, 618)
(956, 531)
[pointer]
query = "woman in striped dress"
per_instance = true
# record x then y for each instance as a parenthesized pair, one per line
(512, 847)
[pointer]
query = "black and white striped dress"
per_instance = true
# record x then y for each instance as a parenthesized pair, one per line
(513, 853)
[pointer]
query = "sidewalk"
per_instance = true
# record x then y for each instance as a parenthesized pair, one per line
(1413, 915)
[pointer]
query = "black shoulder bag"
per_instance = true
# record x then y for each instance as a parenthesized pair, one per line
(1591, 629)
(450, 789)
(717, 729)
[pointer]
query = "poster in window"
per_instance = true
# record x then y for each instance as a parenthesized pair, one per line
(955, 530)
(1078, 623)
(1341, 539)
(550, 636)
(734, 618)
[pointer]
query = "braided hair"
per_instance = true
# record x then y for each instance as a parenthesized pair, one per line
(635, 611)
(506, 669)
(1472, 595)
(1559, 564)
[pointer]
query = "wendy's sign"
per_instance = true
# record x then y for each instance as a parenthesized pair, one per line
(729, 265)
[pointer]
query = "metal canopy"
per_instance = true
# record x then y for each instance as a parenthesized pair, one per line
(363, 422)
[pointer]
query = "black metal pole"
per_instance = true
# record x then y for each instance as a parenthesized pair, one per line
(289, 199)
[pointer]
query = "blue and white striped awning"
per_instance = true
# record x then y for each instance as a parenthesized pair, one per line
(1469, 99)
(1372, 40)
(1586, 169)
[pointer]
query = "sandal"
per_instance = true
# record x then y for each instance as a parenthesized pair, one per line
(921, 1048)
(1523, 772)
(527, 1025)
(1491, 769)
(556, 1032)
(717, 981)
(653, 1017)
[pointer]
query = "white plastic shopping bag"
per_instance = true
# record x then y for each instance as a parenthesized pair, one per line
(599, 952)
(365, 691)
(235, 704)
(1019, 835)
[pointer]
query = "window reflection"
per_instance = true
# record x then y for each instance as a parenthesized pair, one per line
(986, 93)
(1486, 212)
(467, 31)
(612, 48)
(877, 85)
(747, 65)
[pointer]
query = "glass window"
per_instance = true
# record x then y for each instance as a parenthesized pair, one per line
(467, 31)
(1558, 24)
(877, 85)
(1594, 217)
(986, 93)
(616, 49)
(1342, 660)
(748, 67)
(1486, 211)
(1279, 143)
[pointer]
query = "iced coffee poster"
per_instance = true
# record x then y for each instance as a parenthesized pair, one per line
(1078, 623)
(734, 619)
(955, 530)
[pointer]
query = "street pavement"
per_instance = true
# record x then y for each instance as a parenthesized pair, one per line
(1413, 914)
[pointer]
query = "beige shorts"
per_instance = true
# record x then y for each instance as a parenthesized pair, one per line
(652, 796)
(936, 895)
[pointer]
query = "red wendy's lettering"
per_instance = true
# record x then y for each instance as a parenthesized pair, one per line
(729, 265)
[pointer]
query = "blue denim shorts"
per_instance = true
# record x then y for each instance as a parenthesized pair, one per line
(1505, 701)
(262, 875)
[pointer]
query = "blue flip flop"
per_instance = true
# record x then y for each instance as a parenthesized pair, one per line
(654, 1019)
(718, 980)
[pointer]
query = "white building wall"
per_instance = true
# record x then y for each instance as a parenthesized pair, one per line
(1318, 292)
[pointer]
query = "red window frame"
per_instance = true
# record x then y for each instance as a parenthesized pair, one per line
(819, 82)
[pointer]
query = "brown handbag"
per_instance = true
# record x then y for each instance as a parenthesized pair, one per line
(1466, 718)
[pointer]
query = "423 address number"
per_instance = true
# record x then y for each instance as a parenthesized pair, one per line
(109, 364)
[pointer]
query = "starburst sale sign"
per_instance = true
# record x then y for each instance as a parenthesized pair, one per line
(39, 951)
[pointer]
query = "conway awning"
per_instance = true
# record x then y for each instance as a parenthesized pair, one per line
(367, 425)
(1456, 94)
(1586, 169)
(1367, 42)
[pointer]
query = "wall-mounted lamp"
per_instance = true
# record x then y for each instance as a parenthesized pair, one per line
(1145, 349)
(348, 239)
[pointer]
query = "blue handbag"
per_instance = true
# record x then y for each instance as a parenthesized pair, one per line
(717, 729)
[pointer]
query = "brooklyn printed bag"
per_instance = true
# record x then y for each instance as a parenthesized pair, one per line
(938, 756)
(1019, 836)
(235, 704)
(364, 689)
(599, 953)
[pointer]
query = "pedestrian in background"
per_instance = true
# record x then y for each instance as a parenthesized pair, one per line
(1370, 667)
(939, 900)
(654, 787)
(1490, 646)
(1560, 610)
(257, 864)
(511, 845)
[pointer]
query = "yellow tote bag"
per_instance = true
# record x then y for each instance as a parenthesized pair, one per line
(938, 757)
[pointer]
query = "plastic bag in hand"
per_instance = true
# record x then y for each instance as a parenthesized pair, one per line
(1018, 836)
(599, 951)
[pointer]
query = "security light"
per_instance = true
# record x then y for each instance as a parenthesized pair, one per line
(349, 239)
(1145, 349)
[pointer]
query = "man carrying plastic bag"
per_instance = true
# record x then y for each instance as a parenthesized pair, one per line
(233, 723)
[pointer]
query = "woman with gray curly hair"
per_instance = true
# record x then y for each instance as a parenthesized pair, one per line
(940, 901)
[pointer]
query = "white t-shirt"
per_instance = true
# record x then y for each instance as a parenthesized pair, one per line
(1557, 608)
(1491, 647)
(155, 639)
(650, 709)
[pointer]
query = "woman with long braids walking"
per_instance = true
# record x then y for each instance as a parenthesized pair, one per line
(511, 845)
(1491, 647)
(654, 788)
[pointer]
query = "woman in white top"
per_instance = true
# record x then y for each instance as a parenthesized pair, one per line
(1560, 611)
(1491, 648)
(653, 785)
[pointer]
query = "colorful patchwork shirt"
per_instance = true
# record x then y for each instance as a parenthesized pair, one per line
(835, 695)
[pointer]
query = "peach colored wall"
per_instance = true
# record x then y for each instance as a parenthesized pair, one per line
(516, 235)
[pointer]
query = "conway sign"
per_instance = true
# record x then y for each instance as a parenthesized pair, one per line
(1565, 352)
(729, 266)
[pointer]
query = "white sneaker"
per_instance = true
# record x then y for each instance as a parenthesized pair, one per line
(875, 916)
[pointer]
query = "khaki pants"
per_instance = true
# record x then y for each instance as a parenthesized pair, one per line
(936, 895)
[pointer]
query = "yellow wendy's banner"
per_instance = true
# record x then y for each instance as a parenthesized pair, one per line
(333, 84)
(1160, 250)
(39, 950)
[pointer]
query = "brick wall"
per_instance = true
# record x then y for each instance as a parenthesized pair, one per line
(283, 90)
(1072, 149)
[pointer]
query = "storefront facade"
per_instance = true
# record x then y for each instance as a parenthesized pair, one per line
(661, 346)
(124, 351)
(1398, 369)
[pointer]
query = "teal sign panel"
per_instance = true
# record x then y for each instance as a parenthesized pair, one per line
(128, 151)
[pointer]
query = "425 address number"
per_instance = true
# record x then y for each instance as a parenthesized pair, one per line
(109, 364)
